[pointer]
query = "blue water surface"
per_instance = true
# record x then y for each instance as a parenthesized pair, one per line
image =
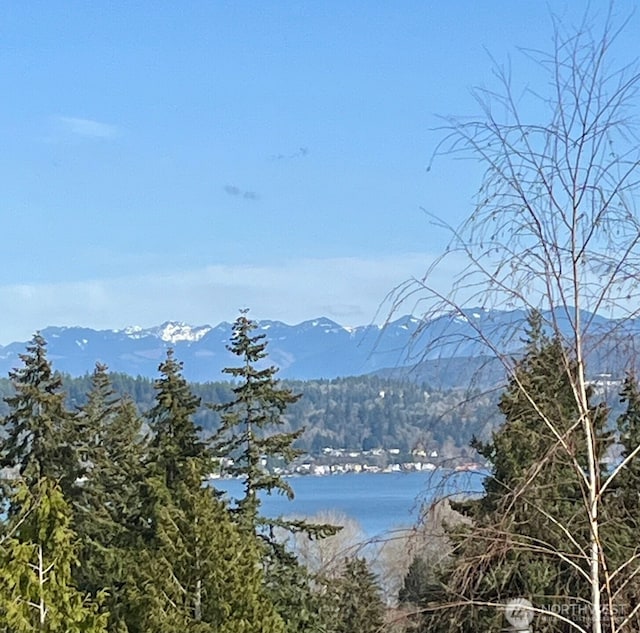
(378, 501)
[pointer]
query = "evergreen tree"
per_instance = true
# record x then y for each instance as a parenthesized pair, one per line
(358, 600)
(175, 439)
(40, 434)
(100, 407)
(624, 502)
(110, 514)
(246, 433)
(202, 574)
(92, 520)
(248, 439)
(37, 592)
(628, 424)
(417, 584)
(302, 600)
(518, 545)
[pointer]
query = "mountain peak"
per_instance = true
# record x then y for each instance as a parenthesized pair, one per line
(317, 348)
(174, 331)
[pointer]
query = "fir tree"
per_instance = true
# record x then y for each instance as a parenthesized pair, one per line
(246, 433)
(358, 599)
(417, 584)
(101, 405)
(40, 434)
(629, 429)
(518, 545)
(249, 441)
(624, 502)
(302, 600)
(110, 513)
(202, 573)
(175, 439)
(37, 592)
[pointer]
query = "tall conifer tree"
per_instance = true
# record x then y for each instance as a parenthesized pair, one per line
(358, 599)
(37, 591)
(530, 530)
(111, 514)
(248, 431)
(40, 434)
(202, 573)
(175, 438)
(624, 502)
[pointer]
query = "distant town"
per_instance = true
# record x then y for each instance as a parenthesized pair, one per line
(334, 461)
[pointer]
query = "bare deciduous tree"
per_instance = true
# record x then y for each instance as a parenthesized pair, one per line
(555, 230)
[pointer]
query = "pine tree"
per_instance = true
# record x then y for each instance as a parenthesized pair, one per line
(358, 600)
(40, 434)
(110, 512)
(175, 439)
(518, 545)
(37, 592)
(202, 573)
(246, 433)
(417, 584)
(624, 502)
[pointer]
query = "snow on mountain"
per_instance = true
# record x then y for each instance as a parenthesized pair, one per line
(318, 348)
(174, 331)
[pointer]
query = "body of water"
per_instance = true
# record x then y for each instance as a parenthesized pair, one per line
(378, 501)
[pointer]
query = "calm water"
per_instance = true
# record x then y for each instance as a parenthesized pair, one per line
(378, 501)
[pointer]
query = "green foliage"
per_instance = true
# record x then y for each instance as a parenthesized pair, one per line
(246, 433)
(624, 502)
(175, 439)
(202, 573)
(110, 512)
(417, 585)
(629, 429)
(111, 529)
(37, 592)
(40, 434)
(518, 545)
(302, 599)
(358, 601)
(345, 412)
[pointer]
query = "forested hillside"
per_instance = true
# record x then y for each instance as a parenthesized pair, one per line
(360, 413)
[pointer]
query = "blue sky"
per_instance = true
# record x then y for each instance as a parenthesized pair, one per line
(179, 161)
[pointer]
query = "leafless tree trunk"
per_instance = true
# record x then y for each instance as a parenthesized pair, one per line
(555, 229)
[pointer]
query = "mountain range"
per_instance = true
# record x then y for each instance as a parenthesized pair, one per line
(319, 348)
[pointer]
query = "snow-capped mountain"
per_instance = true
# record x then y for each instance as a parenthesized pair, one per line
(319, 348)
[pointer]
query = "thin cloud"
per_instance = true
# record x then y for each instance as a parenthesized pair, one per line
(349, 290)
(302, 152)
(87, 128)
(236, 192)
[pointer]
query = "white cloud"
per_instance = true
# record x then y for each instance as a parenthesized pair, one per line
(87, 128)
(349, 290)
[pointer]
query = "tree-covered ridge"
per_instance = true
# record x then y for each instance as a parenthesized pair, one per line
(358, 413)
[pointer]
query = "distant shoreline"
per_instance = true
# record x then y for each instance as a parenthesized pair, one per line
(471, 467)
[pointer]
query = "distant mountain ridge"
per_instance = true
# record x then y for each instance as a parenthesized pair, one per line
(318, 348)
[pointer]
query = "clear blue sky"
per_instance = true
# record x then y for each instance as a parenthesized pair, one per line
(181, 160)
